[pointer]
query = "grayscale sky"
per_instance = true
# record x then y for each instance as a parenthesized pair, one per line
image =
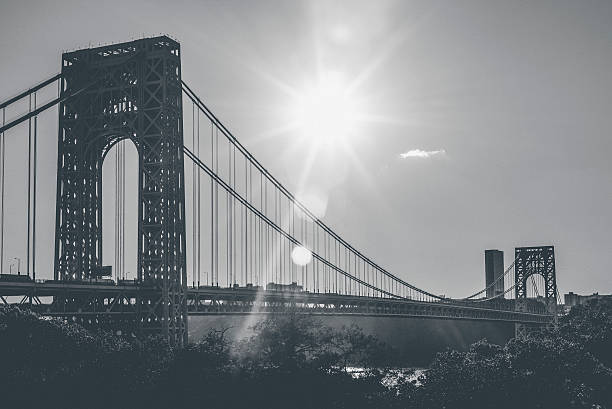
(502, 109)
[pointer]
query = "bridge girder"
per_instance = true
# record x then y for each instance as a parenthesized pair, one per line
(87, 303)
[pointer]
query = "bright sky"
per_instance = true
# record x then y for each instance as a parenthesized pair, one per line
(458, 126)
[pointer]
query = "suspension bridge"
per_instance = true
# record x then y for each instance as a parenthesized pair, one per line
(216, 234)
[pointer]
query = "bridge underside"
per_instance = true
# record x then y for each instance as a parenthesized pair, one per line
(116, 305)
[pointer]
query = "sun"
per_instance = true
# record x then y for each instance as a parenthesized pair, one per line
(325, 113)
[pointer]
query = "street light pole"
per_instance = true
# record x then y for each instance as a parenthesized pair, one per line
(18, 265)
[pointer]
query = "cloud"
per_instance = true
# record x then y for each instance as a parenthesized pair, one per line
(418, 153)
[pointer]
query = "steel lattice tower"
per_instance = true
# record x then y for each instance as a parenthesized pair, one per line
(131, 90)
(529, 261)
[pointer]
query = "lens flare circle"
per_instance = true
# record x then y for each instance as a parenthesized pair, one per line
(301, 255)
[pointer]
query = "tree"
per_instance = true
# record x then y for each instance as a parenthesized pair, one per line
(566, 367)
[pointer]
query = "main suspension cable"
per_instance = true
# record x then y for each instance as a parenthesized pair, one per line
(290, 196)
(270, 223)
(495, 282)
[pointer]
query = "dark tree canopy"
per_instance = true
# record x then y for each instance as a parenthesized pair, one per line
(293, 361)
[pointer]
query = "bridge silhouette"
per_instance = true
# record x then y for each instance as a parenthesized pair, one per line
(254, 247)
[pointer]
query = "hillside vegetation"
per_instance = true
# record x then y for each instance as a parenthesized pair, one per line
(292, 361)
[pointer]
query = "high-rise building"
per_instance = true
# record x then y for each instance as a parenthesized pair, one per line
(494, 269)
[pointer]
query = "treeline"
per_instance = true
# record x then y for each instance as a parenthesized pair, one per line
(292, 361)
(566, 367)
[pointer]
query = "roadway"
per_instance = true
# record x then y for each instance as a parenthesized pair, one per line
(104, 299)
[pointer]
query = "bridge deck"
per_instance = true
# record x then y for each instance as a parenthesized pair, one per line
(111, 300)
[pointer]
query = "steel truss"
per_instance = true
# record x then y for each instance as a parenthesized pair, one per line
(530, 261)
(116, 306)
(220, 301)
(133, 92)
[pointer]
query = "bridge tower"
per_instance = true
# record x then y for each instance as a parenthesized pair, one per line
(529, 261)
(129, 91)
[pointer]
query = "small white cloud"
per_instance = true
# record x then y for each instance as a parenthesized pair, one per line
(418, 153)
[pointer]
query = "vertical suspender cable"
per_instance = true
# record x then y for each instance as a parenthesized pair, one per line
(325, 265)
(292, 266)
(123, 146)
(266, 247)
(120, 190)
(233, 200)
(274, 241)
(228, 204)
(327, 282)
(279, 242)
(304, 266)
(336, 257)
(346, 268)
(285, 270)
(315, 234)
(262, 239)
(117, 213)
(217, 206)
(2, 158)
(245, 230)
(193, 204)
(120, 147)
(327, 273)
(29, 185)
(286, 262)
(228, 223)
(212, 207)
(250, 217)
(199, 202)
(118, 209)
(121, 207)
(232, 153)
(34, 201)
(332, 272)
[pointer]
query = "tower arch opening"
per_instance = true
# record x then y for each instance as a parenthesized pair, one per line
(120, 209)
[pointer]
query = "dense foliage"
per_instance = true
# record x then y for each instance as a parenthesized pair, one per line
(568, 367)
(292, 361)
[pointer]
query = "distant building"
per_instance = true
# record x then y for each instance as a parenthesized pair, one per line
(494, 268)
(571, 299)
